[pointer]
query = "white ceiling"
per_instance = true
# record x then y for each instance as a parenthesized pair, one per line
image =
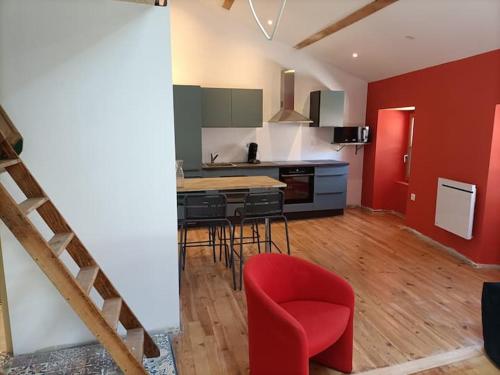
(444, 30)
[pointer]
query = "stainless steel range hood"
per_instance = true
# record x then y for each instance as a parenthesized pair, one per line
(287, 112)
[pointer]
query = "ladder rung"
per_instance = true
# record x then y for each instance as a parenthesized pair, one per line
(32, 204)
(135, 342)
(60, 241)
(86, 277)
(111, 311)
(7, 163)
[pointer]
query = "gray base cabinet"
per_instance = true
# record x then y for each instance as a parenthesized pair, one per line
(330, 186)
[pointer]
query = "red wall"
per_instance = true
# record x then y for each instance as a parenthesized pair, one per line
(391, 145)
(456, 134)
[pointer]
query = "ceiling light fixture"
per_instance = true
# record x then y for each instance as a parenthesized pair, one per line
(269, 22)
(355, 55)
(276, 23)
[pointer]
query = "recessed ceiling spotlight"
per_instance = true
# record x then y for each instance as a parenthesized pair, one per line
(410, 37)
(355, 55)
(269, 22)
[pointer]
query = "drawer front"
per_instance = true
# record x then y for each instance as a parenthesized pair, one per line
(299, 207)
(332, 171)
(331, 201)
(330, 184)
(271, 172)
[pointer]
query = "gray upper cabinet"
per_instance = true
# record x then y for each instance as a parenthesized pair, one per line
(246, 108)
(216, 108)
(187, 121)
(232, 108)
(327, 108)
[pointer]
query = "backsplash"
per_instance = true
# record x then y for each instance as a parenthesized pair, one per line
(276, 142)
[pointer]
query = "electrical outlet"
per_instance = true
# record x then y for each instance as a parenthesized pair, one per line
(413, 197)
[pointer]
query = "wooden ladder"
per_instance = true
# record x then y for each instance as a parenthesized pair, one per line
(103, 322)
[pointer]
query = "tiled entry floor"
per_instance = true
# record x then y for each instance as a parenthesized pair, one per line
(84, 360)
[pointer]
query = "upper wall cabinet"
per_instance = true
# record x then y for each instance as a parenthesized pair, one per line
(232, 108)
(246, 108)
(187, 123)
(327, 108)
(216, 108)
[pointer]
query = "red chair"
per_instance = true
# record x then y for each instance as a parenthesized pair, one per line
(297, 311)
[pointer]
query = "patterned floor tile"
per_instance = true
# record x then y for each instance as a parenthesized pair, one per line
(84, 360)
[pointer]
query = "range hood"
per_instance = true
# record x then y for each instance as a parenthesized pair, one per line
(287, 112)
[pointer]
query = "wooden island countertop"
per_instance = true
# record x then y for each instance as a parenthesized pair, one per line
(229, 183)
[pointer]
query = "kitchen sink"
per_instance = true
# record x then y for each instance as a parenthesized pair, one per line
(215, 165)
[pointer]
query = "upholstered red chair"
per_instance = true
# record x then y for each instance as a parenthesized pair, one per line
(297, 311)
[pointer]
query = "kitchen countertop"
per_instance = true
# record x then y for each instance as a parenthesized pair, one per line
(276, 164)
(229, 183)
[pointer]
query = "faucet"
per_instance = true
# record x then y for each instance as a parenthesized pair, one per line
(213, 157)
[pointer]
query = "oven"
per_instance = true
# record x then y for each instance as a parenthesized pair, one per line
(299, 184)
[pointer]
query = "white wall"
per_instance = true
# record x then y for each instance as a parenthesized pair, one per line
(210, 48)
(88, 84)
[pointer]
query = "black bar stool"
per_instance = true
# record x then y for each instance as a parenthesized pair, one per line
(258, 207)
(205, 210)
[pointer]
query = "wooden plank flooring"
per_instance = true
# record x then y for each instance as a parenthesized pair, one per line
(479, 365)
(412, 299)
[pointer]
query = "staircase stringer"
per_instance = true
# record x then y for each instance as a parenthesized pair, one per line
(64, 281)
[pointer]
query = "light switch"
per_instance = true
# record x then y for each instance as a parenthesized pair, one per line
(413, 197)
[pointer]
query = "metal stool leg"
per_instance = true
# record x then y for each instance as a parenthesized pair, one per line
(241, 253)
(224, 239)
(286, 234)
(232, 256)
(184, 247)
(270, 236)
(211, 232)
(257, 235)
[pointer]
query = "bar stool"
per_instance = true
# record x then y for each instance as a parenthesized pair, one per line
(266, 206)
(205, 210)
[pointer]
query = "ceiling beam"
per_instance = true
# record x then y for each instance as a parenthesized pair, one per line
(228, 4)
(358, 15)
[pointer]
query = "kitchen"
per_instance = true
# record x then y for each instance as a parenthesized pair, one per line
(314, 187)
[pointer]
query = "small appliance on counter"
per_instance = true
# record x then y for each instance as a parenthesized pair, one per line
(252, 153)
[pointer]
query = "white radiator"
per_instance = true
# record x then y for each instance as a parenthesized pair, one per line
(455, 207)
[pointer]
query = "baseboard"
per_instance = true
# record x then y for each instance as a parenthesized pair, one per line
(427, 363)
(379, 210)
(450, 250)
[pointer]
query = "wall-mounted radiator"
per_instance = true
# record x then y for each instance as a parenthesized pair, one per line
(455, 207)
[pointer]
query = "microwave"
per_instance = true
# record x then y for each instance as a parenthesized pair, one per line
(351, 134)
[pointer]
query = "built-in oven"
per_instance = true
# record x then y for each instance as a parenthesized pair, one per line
(299, 184)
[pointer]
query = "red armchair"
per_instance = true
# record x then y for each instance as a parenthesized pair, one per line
(297, 311)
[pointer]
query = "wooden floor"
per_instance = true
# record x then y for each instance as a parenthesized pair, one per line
(479, 365)
(412, 299)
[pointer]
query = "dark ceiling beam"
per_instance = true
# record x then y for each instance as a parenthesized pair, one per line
(354, 17)
(228, 4)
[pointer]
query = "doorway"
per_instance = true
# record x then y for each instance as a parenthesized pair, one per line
(393, 156)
